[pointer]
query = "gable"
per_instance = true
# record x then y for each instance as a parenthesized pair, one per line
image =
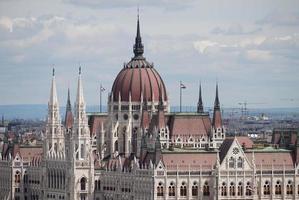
(233, 156)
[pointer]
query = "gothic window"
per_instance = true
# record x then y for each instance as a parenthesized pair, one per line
(278, 188)
(25, 178)
(17, 177)
(82, 151)
(289, 188)
(240, 162)
(160, 190)
(248, 189)
(99, 185)
(183, 189)
(171, 190)
(195, 189)
(116, 145)
(223, 189)
(267, 188)
(240, 189)
(83, 183)
(95, 185)
(231, 163)
(55, 147)
(232, 191)
(206, 189)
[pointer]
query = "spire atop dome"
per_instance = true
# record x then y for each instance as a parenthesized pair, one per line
(138, 46)
(200, 103)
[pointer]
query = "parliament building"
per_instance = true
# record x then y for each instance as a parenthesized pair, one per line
(140, 150)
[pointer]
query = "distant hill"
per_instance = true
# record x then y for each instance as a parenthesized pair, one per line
(39, 111)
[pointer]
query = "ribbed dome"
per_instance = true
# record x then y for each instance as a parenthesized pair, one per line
(138, 77)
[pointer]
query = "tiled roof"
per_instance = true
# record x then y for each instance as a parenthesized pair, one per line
(96, 123)
(192, 161)
(272, 159)
(189, 125)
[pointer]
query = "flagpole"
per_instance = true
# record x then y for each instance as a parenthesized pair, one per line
(180, 96)
(100, 98)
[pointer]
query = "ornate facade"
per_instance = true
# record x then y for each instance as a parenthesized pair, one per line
(141, 150)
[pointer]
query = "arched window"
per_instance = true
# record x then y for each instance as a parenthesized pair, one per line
(298, 189)
(278, 188)
(289, 188)
(25, 180)
(183, 189)
(248, 189)
(224, 189)
(232, 191)
(206, 189)
(116, 145)
(99, 184)
(195, 189)
(267, 188)
(17, 177)
(231, 163)
(82, 151)
(83, 183)
(160, 190)
(95, 185)
(171, 190)
(240, 189)
(240, 162)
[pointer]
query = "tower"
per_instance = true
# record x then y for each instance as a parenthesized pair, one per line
(218, 132)
(54, 133)
(82, 162)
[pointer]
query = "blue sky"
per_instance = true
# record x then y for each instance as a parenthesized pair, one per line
(250, 47)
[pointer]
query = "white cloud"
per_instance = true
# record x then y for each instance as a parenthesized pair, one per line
(6, 23)
(258, 55)
(202, 45)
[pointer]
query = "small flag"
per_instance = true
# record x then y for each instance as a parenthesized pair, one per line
(183, 86)
(102, 88)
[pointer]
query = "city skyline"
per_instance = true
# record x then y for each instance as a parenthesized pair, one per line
(250, 48)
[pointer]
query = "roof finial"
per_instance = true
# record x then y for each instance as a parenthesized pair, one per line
(199, 103)
(217, 103)
(79, 70)
(53, 70)
(138, 46)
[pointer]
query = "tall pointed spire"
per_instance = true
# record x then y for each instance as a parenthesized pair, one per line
(138, 46)
(68, 103)
(217, 102)
(68, 114)
(80, 97)
(217, 119)
(53, 93)
(200, 103)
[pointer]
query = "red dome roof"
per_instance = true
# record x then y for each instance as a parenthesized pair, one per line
(136, 76)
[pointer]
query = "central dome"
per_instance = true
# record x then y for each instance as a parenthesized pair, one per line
(138, 78)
